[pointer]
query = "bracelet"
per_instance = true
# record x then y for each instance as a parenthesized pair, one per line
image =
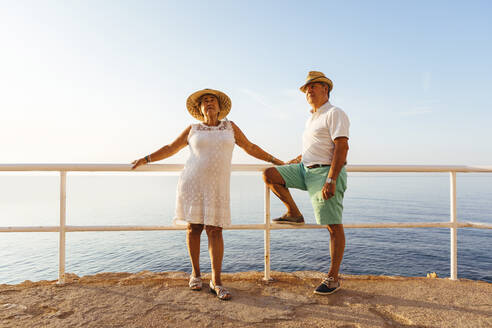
(147, 158)
(271, 159)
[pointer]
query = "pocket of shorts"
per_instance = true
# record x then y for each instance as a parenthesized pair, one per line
(342, 184)
(318, 197)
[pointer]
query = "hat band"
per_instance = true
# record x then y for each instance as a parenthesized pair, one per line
(314, 78)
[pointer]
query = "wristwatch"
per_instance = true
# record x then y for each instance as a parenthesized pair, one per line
(330, 180)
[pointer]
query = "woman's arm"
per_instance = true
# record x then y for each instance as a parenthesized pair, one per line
(296, 160)
(166, 151)
(251, 148)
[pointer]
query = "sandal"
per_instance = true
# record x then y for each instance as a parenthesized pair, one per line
(195, 283)
(221, 292)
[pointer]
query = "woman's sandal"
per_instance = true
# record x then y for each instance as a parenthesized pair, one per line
(195, 283)
(221, 292)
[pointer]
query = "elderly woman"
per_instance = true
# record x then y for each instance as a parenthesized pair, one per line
(202, 198)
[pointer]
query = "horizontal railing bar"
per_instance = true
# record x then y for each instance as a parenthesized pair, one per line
(273, 226)
(121, 228)
(30, 229)
(476, 225)
(387, 225)
(366, 225)
(418, 168)
(260, 226)
(235, 167)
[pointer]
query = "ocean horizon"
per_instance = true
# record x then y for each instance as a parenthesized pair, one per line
(148, 199)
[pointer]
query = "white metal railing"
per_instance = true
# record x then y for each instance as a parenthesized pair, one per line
(453, 223)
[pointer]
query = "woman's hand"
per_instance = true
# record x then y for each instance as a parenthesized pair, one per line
(296, 160)
(136, 163)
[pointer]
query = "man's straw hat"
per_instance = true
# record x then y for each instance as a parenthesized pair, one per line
(193, 103)
(314, 76)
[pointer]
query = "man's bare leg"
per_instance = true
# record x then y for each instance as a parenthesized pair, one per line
(277, 184)
(337, 247)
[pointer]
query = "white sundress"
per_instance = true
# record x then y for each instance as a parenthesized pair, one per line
(203, 188)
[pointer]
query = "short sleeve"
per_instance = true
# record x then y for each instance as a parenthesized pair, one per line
(338, 123)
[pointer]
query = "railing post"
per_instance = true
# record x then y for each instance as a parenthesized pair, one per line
(267, 233)
(63, 216)
(453, 229)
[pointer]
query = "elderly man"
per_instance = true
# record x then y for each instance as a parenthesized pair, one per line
(319, 170)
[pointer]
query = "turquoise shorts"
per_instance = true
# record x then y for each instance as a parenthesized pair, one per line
(326, 211)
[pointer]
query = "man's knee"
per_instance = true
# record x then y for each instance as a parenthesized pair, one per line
(335, 229)
(194, 228)
(272, 176)
(267, 175)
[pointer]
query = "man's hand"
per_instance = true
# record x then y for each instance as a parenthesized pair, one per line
(328, 190)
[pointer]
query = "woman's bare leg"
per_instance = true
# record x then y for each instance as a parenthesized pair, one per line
(216, 250)
(193, 234)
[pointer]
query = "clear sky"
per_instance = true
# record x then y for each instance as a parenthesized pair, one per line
(107, 81)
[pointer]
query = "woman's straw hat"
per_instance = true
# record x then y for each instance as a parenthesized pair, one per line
(193, 103)
(314, 76)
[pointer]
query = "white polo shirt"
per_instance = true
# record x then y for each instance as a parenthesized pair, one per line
(322, 128)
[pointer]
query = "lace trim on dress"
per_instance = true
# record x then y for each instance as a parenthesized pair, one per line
(202, 127)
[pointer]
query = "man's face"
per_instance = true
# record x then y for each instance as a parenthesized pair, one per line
(209, 106)
(316, 92)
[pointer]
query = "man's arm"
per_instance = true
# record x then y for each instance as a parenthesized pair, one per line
(337, 163)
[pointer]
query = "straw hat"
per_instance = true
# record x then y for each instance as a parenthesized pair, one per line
(314, 76)
(193, 103)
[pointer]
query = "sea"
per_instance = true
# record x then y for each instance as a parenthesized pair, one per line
(32, 199)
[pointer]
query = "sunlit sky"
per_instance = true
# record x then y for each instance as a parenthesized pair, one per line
(107, 81)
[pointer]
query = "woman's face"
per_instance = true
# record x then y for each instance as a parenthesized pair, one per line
(209, 106)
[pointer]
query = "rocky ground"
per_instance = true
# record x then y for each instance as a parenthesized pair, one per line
(148, 299)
